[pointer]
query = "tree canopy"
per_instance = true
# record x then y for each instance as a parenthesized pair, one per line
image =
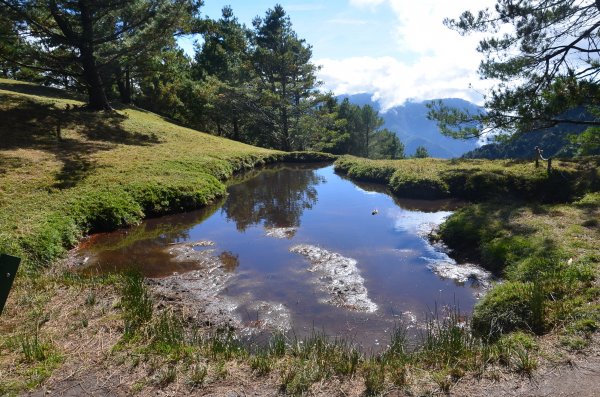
(81, 39)
(542, 56)
(253, 84)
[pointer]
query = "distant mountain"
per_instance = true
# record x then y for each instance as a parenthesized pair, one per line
(410, 123)
(554, 141)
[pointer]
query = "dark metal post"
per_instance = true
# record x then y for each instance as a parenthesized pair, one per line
(549, 164)
(8, 270)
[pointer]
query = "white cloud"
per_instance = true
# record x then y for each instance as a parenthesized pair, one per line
(394, 82)
(432, 61)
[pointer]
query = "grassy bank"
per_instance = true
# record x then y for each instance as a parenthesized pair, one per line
(477, 180)
(104, 171)
(539, 231)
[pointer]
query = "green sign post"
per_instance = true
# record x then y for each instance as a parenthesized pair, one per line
(8, 270)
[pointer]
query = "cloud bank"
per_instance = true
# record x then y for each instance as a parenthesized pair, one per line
(431, 61)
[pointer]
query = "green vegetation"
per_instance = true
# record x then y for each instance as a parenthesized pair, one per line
(66, 171)
(109, 170)
(106, 170)
(256, 84)
(547, 253)
(476, 179)
(545, 248)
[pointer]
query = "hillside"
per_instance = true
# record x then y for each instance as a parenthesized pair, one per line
(554, 141)
(410, 123)
(104, 171)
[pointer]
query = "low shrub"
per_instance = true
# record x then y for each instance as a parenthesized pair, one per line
(507, 307)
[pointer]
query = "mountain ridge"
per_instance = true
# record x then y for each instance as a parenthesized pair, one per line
(409, 122)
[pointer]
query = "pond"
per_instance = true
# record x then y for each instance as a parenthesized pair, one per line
(302, 248)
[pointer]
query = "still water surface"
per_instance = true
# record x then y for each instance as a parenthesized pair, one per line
(327, 211)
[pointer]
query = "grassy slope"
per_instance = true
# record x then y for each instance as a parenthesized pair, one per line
(108, 170)
(540, 232)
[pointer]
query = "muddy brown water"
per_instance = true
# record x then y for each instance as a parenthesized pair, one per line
(318, 208)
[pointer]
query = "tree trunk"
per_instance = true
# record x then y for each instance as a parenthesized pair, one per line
(123, 85)
(367, 132)
(97, 97)
(284, 118)
(236, 130)
(128, 86)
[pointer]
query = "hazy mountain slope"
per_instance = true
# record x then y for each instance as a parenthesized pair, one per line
(410, 123)
(554, 141)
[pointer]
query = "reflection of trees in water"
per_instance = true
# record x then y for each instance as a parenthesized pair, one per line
(151, 233)
(275, 199)
(423, 205)
(230, 261)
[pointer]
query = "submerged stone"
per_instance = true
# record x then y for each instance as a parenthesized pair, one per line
(270, 315)
(338, 276)
(461, 273)
(200, 289)
(281, 232)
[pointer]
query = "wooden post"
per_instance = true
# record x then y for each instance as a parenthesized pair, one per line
(549, 164)
(537, 156)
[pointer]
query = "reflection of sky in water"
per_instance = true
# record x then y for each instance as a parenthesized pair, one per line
(412, 221)
(391, 253)
(365, 191)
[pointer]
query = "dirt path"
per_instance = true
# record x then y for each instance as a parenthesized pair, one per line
(581, 378)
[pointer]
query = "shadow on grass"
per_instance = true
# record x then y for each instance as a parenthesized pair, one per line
(34, 89)
(29, 124)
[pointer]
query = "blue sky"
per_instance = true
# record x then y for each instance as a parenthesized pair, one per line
(398, 50)
(334, 29)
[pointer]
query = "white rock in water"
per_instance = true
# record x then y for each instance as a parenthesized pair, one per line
(339, 276)
(281, 232)
(460, 273)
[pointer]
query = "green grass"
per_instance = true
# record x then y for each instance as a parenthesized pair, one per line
(476, 179)
(548, 255)
(136, 303)
(538, 231)
(447, 352)
(107, 170)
